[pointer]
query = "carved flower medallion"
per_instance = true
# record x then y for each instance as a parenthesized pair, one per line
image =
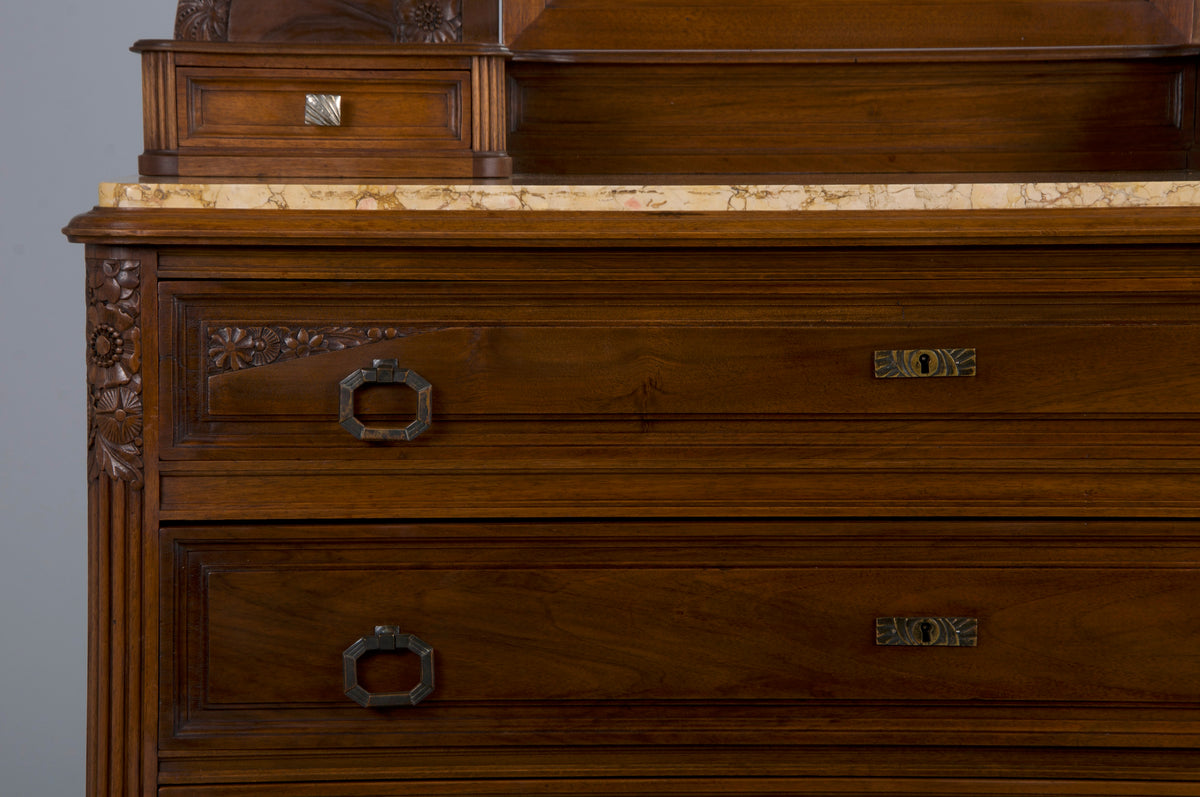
(304, 342)
(115, 433)
(231, 348)
(267, 346)
(113, 282)
(114, 348)
(106, 345)
(431, 21)
(118, 415)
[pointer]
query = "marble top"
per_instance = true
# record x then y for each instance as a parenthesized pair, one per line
(251, 195)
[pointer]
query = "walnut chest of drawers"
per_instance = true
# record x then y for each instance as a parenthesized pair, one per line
(674, 502)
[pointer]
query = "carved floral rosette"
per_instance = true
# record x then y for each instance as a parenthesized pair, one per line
(429, 21)
(114, 360)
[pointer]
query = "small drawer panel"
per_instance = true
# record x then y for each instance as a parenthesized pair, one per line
(257, 109)
(669, 632)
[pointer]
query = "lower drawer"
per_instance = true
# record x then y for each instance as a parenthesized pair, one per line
(680, 634)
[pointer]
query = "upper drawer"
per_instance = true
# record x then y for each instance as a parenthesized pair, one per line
(265, 109)
(264, 365)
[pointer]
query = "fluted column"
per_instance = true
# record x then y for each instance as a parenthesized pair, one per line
(115, 518)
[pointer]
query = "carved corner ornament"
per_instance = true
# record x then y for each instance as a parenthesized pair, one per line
(202, 20)
(114, 367)
(429, 21)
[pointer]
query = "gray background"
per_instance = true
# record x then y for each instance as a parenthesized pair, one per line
(70, 117)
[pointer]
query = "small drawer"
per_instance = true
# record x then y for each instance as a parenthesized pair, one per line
(376, 112)
(266, 109)
(670, 633)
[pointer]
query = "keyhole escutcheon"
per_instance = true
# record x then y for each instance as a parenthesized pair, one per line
(953, 632)
(923, 363)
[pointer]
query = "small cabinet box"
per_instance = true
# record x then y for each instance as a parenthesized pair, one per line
(288, 110)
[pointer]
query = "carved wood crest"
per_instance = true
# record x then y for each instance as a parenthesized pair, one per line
(395, 21)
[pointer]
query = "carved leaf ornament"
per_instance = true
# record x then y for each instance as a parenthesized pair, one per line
(114, 363)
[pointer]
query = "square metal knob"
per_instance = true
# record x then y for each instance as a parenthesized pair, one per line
(323, 110)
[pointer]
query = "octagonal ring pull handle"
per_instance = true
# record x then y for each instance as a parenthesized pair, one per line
(385, 372)
(387, 638)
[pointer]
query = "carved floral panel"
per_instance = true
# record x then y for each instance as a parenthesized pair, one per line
(236, 348)
(114, 362)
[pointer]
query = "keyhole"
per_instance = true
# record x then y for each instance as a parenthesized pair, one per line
(924, 360)
(927, 632)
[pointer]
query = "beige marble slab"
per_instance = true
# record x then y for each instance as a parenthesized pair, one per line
(640, 198)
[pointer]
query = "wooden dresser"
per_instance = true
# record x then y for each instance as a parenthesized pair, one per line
(656, 485)
(667, 490)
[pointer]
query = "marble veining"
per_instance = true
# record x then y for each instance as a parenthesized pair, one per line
(249, 195)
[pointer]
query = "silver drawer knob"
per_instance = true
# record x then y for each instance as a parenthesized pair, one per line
(324, 110)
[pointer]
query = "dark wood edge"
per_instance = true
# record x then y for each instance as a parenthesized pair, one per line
(272, 48)
(936, 55)
(159, 163)
(456, 165)
(679, 56)
(636, 229)
(492, 166)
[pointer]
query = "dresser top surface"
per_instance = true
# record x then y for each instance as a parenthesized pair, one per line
(632, 197)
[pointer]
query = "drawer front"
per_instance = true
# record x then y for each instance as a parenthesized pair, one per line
(559, 399)
(262, 109)
(678, 634)
(265, 364)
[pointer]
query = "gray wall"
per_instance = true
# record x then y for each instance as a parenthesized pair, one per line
(70, 117)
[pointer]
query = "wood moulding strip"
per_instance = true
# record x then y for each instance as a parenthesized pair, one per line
(869, 24)
(659, 229)
(857, 55)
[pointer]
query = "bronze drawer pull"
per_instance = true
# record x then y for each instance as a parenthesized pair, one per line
(387, 638)
(946, 632)
(385, 372)
(323, 110)
(917, 363)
